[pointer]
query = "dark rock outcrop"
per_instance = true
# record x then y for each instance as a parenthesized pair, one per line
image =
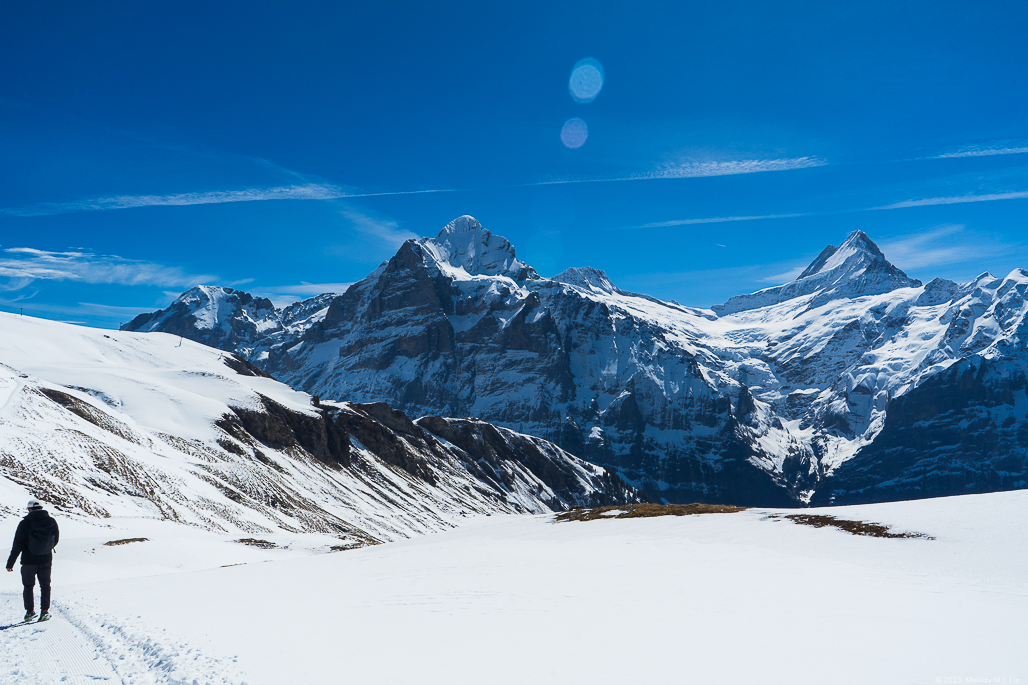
(492, 451)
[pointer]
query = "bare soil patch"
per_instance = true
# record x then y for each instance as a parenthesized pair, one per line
(126, 541)
(875, 530)
(634, 511)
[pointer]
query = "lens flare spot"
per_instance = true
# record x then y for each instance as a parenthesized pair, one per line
(586, 80)
(574, 133)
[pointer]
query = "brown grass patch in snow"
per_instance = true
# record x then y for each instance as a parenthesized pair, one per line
(126, 541)
(875, 530)
(634, 511)
(254, 542)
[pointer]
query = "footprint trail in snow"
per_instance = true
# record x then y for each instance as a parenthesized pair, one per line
(80, 646)
(51, 652)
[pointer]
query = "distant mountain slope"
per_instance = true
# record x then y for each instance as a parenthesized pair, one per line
(233, 320)
(761, 400)
(855, 269)
(111, 423)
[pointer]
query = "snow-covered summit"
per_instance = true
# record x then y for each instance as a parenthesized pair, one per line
(856, 268)
(855, 258)
(588, 278)
(232, 319)
(212, 308)
(465, 244)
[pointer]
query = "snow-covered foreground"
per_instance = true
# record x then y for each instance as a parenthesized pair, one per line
(520, 599)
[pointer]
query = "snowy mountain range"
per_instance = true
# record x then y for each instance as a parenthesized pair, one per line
(852, 383)
(101, 424)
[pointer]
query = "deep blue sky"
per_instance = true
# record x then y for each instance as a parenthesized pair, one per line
(132, 133)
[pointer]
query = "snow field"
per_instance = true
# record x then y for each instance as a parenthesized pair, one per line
(508, 599)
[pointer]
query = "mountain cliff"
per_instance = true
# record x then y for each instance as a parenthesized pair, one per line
(101, 424)
(776, 397)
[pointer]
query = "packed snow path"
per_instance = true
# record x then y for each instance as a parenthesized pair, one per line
(74, 648)
(712, 598)
(51, 652)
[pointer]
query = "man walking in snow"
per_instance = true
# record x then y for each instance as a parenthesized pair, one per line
(35, 539)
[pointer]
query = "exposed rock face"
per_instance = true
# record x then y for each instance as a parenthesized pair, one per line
(203, 443)
(500, 454)
(759, 402)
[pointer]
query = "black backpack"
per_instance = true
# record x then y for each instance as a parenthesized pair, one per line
(42, 537)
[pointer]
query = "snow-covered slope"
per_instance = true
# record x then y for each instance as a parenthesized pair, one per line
(761, 400)
(749, 597)
(115, 424)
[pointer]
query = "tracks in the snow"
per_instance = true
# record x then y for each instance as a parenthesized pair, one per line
(80, 646)
(54, 651)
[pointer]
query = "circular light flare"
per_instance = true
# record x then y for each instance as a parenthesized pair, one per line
(586, 80)
(573, 133)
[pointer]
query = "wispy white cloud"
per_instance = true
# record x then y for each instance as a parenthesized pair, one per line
(105, 316)
(922, 202)
(306, 191)
(306, 289)
(693, 169)
(716, 220)
(283, 295)
(984, 151)
(20, 266)
(387, 231)
(784, 277)
(109, 310)
(941, 245)
(956, 199)
(323, 191)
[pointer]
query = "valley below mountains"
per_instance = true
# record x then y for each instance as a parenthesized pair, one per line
(851, 384)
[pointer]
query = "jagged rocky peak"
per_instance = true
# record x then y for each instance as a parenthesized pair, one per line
(856, 268)
(230, 319)
(465, 244)
(857, 256)
(212, 298)
(588, 278)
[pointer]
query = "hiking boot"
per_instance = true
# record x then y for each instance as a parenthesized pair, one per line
(45, 616)
(29, 615)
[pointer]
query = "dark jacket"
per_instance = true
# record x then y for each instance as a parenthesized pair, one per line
(21, 540)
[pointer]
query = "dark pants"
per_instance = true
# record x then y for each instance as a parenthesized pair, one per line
(29, 573)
